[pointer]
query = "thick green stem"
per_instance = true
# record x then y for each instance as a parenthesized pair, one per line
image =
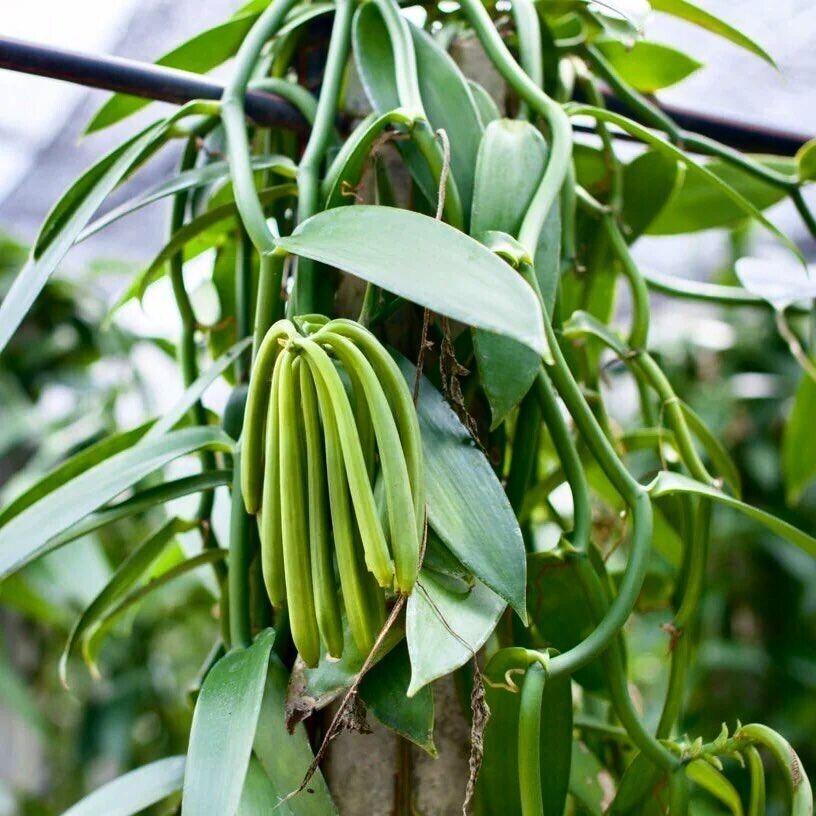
(530, 47)
(304, 294)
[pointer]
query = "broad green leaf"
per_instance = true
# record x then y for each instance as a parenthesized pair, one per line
(485, 104)
(559, 612)
(223, 730)
(698, 205)
(130, 571)
(649, 66)
(778, 281)
(445, 628)
(467, 506)
(446, 97)
(384, 691)
(426, 261)
(200, 54)
(806, 161)
(258, 792)
(28, 535)
(76, 464)
(649, 182)
(286, 757)
(68, 220)
(667, 483)
(193, 392)
(691, 13)
(201, 233)
(590, 783)
(711, 780)
(693, 167)
(799, 441)
(133, 792)
(511, 160)
(188, 180)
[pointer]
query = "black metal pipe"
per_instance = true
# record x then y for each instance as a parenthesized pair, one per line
(138, 79)
(172, 85)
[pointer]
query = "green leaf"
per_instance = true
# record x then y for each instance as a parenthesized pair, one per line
(511, 160)
(384, 691)
(223, 729)
(649, 184)
(133, 792)
(446, 97)
(590, 783)
(64, 224)
(258, 792)
(559, 612)
(667, 483)
(649, 66)
(711, 780)
(467, 506)
(76, 464)
(426, 261)
(799, 442)
(193, 392)
(200, 54)
(286, 757)
(188, 180)
(130, 571)
(27, 536)
(485, 104)
(446, 628)
(691, 13)
(806, 161)
(207, 228)
(693, 167)
(778, 281)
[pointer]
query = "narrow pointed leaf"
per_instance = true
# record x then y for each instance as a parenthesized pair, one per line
(425, 261)
(711, 780)
(691, 13)
(799, 441)
(649, 66)
(223, 730)
(133, 792)
(27, 535)
(467, 506)
(667, 483)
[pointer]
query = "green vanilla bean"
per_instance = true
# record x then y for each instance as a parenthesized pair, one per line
(240, 557)
(294, 533)
(327, 605)
(524, 455)
(304, 293)
(529, 741)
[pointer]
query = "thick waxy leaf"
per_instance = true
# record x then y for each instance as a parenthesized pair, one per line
(649, 66)
(467, 506)
(779, 281)
(806, 161)
(511, 160)
(258, 792)
(188, 180)
(223, 730)
(445, 626)
(425, 261)
(667, 483)
(485, 104)
(590, 783)
(799, 441)
(28, 535)
(133, 792)
(446, 97)
(193, 393)
(698, 205)
(76, 464)
(711, 780)
(384, 691)
(68, 217)
(699, 17)
(126, 576)
(649, 183)
(286, 757)
(559, 610)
